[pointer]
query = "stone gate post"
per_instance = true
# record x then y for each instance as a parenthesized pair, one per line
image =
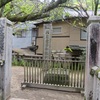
(93, 54)
(5, 57)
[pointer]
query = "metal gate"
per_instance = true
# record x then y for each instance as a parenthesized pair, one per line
(66, 75)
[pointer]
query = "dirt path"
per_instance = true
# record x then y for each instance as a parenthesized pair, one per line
(37, 94)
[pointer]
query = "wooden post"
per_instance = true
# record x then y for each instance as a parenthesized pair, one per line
(93, 54)
(5, 57)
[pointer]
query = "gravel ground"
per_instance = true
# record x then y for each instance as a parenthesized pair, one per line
(37, 94)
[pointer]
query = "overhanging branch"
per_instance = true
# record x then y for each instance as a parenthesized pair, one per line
(41, 14)
(76, 8)
(27, 17)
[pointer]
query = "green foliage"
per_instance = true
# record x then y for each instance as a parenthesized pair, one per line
(22, 7)
(7, 9)
(84, 98)
(14, 61)
(67, 14)
(53, 76)
(17, 62)
(68, 49)
(86, 4)
(56, 65)
(27, 7)
(96, 73)
(55, 14)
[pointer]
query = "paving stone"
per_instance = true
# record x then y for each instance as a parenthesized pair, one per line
(17, 99)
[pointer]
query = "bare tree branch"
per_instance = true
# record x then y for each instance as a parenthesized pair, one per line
(96, 2)
(70, 7)
(85, 11)
(53, 5)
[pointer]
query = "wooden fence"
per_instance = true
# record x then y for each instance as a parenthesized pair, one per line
(66, 75)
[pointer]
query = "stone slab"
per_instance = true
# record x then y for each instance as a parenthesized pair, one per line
(93, 19)
(17, 99)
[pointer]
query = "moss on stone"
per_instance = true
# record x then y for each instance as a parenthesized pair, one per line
(92, 72)
(96, 72)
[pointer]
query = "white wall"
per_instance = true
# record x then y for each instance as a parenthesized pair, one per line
(27, 40)
(22, 42)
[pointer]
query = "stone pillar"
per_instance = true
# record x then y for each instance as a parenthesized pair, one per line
(5, 57)
(47, 41)
(93, 53)
(47, 45)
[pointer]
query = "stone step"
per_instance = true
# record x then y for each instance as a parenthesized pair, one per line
(17, 99)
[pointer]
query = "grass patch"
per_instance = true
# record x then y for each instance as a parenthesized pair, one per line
(18, 61)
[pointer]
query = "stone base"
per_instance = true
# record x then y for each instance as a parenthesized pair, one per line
(17, 99)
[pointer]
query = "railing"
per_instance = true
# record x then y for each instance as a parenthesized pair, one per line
(55, 72)
(95, 94)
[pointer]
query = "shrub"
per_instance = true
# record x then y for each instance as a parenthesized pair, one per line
(17, 62)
